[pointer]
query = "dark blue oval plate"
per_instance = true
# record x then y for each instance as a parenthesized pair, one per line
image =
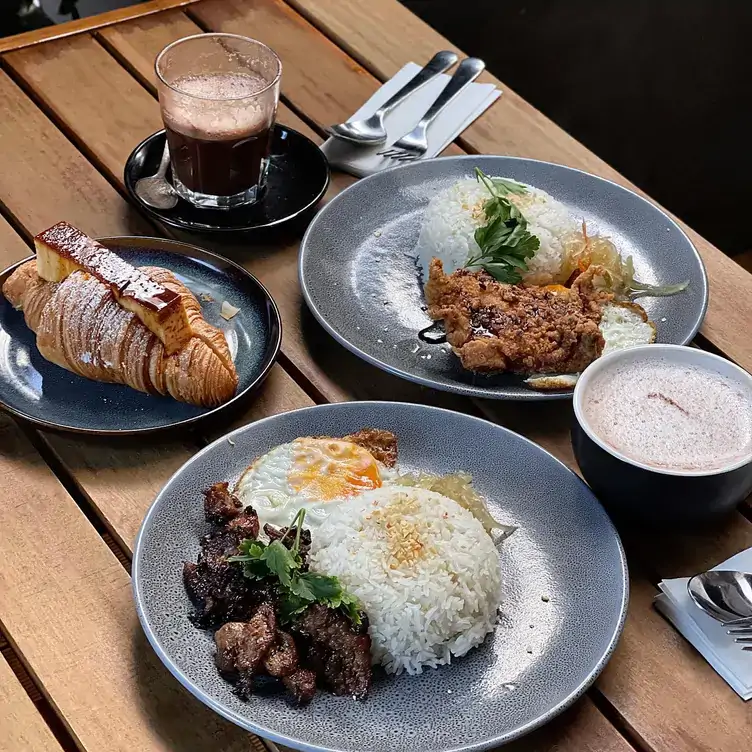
(49, 396)
(563, 607)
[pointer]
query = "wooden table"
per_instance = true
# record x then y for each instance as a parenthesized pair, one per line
(78, 673)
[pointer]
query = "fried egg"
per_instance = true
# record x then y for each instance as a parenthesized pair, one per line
(625, 325)
(317, 475)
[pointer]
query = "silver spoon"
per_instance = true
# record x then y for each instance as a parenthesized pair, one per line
(724, 595)
(370, 131)
(156, 191)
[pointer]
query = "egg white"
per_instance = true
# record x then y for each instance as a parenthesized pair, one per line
(623, 325)
(266, 487)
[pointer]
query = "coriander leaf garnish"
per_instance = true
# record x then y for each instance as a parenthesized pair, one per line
(280, 562)
(298, 589)
(504, 241)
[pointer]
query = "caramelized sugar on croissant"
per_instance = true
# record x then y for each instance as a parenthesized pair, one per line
(81, 327)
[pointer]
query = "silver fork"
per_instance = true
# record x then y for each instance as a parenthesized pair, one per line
(742, 631)
(414, 145)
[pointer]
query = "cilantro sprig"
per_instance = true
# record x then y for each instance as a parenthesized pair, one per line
(298, 589)
(504, 241)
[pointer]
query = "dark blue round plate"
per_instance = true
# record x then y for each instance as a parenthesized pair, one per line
(297, 180)
(43, 393)
(563, 606)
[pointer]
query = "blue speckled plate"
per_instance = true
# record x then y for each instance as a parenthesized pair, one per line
(543, 654)
(360, 279)
(43, 393)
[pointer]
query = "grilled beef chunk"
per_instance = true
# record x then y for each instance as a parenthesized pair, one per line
(282, 658)
(220, 506)
(301, 685)
(245, 525)
(339, 653)
(219, 590)
(249, 649)
(242, 646)
(323, 644)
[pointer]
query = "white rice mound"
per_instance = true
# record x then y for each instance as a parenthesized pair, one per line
(424, 569)
(453, 215)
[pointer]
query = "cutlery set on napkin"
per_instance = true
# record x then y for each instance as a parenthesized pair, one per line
(414, 115)
(716, 637)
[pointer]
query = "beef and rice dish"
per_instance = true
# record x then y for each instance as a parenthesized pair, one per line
(382, 576)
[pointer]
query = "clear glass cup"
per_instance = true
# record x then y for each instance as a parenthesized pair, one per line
(219, 96)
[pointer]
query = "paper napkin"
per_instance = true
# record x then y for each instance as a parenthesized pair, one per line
(707, 634)
(469, 104)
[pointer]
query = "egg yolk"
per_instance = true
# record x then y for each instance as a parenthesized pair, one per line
(327, 469)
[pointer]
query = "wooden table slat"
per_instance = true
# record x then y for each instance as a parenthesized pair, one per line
(77, 75)
(138, 42)
(12, 246)
(69, 28)
(45, 179)
(22, 728)
(383, 35)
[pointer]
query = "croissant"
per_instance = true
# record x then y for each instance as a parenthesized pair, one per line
(81, 327)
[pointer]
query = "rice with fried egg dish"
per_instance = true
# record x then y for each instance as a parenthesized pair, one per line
(417, 550)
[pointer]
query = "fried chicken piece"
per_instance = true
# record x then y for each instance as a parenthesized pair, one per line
(381, 444)
(496, 327)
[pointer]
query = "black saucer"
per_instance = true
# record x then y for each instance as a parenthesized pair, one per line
(297, 181)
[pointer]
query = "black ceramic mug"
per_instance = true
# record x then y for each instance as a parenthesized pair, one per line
(634, 490)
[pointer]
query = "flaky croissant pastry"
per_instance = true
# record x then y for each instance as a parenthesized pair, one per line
(81, 327)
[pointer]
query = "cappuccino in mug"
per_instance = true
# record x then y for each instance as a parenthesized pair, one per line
(671, 415)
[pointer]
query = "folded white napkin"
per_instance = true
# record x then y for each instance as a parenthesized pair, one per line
(707, 634)
(471, 102)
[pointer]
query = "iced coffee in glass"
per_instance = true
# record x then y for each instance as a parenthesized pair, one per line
(219, 96)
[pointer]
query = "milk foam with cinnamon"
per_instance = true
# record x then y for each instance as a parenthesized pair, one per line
(215, 108)
(673, 416)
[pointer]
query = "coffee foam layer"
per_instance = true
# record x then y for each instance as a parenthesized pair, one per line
(214, 107)
(671, 416)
